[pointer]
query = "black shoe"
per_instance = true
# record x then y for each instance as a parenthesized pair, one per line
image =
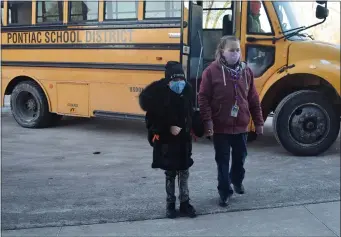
(224, 201)
(171, 212)
(239, 189)
(186, 209)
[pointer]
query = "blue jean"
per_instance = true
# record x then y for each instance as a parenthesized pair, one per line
(222, 145)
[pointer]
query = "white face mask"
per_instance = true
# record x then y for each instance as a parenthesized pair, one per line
(231, 57)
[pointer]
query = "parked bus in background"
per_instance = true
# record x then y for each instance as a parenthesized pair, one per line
(87, 58)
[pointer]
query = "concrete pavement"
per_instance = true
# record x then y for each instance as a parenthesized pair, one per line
(305, 220)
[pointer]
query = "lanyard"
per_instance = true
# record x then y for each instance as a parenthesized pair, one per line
(236, 93)
(235, 79)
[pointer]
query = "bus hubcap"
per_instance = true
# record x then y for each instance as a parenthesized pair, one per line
(27, 106)
(309, 124)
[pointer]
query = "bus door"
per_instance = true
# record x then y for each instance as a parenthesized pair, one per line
(195, 41)
(259, 27)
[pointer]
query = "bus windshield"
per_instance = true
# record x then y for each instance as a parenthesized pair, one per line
(286, 15)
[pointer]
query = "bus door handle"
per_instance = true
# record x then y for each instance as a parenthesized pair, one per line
(159, 58)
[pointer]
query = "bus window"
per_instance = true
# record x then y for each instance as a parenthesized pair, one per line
(120, 10)
(214, 13)
(20, 12)
(2, 13)
(83, 11)
(49, 11)
(259, 57)
(213, 16)
(165, 9)
(258, 21)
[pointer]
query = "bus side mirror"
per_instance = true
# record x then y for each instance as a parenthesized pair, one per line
(321, 2)
(322, 12)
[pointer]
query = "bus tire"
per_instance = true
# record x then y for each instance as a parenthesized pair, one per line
(305, 123)
(29, 106)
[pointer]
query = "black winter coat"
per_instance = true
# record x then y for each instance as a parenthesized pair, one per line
(165, 109)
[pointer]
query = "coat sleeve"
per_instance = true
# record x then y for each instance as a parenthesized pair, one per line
(155, 124)
(254, 102)
(152, 100)
(204, 99)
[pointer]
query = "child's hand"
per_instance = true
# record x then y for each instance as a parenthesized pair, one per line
(175, 130)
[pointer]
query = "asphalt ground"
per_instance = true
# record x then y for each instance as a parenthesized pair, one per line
(51, 177)
(321, 219)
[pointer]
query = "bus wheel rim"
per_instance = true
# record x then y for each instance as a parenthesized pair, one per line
(27, 106)
(309, 124)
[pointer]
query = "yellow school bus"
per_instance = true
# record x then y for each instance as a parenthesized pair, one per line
(93, 58)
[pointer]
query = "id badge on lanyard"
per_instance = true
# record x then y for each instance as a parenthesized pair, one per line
(235, 110)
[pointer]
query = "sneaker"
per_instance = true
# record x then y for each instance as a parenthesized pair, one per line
(186, 209)
(239, 189)
(170, 211)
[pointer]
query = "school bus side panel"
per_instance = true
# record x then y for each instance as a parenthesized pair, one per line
(115, 64)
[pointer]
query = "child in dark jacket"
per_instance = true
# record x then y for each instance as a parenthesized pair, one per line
(169, 112)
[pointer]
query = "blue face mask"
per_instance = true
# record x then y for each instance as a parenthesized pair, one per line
(177, 86)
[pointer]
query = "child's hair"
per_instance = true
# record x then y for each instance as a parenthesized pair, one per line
(222, 44)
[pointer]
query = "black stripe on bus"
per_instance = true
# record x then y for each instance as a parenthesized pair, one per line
(113, 115)
(122, 66)
(144, 24)
(93, 46)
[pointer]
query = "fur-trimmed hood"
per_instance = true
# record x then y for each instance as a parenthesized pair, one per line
(156, 95)
(147, 98)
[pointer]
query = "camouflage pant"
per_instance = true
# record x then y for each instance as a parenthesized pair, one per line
(182, 183)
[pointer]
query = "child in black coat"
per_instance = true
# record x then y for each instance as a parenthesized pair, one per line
(169, 107)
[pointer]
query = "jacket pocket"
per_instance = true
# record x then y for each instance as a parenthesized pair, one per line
(224, 117)
(244, 115)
